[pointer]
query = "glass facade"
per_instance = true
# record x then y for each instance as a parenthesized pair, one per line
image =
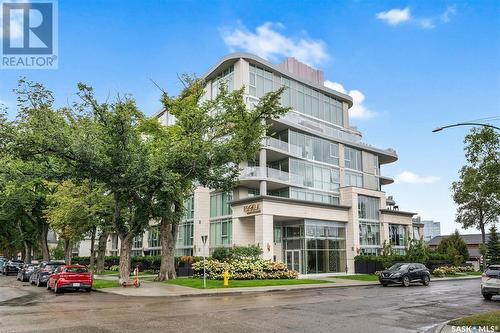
(313, 247)
(352, 158)
(299, 96)
(227, 77)
(369, 233)
(219, 204)
(314, 148)
(353, 179)
(308, 195)
(154, 238)
(185, 234)
(398, 235)
(368, 208)
(221, 232)
(315, 175)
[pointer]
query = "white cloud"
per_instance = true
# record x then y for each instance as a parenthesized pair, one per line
(398, 16)
(358, 110)
(16, 28)
(412, 178)
(269, 43)
(395, 16)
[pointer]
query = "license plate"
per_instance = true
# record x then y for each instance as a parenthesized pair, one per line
(76, 284)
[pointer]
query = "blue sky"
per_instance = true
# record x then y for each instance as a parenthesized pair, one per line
(410, 65)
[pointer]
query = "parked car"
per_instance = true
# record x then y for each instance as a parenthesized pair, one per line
(404, 274)
(12, 266)
(41, 275)
(76, 277)
(490, 282)
(24, 273)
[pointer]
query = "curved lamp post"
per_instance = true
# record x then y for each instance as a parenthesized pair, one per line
(464, 124)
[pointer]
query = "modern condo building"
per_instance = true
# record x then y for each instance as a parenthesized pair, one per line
(312, 197)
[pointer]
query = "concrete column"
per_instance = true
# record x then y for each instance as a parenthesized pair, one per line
(264, 235)
(263, 165)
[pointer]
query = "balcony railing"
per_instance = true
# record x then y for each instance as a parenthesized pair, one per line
(261, 173)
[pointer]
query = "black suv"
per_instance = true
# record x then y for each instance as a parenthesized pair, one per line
(404, 274)
(12, 266)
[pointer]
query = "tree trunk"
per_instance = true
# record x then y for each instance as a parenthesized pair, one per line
(43, 242)
(125, 257)
(28, 258)
(27, 249)
(101, 251)
(92, 249)
(168, 237)
(68, 251)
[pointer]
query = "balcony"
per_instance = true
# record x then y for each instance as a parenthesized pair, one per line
(270, 174)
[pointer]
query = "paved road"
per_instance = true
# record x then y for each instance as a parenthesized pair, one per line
(359, 309)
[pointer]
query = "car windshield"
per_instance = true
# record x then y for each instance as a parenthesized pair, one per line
(76, 270)
(493, 272)
(399, 267)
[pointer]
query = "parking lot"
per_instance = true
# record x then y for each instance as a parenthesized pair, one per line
(349, 309)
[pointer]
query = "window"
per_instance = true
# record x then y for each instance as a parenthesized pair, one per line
(189, 209)
(219, 204)
(154, 238)
(369, 251)
(221, 232)
(352, 158)
(308, 195)
(277, 234)
(185, 234)
(369, 233)
(315, 175)
(260, 81)
(353, 179)
(314, 148)
(227, 77)
(368, 208)
(397, 234)
(253, 192)
(137, 242)
(154, 252)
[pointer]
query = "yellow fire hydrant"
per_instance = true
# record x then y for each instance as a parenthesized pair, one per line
(226, 278)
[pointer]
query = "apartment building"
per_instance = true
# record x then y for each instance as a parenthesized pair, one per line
(312, 197)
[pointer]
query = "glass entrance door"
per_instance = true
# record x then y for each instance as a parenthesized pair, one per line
(293, 260)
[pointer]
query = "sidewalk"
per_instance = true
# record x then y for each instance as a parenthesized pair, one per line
(157, 289)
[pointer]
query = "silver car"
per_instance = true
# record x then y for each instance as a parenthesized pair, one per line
(490, 282)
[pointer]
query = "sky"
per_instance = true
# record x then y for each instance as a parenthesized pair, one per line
(410, 66)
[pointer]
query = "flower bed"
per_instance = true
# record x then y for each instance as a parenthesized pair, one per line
(451, 270)
(244, 269)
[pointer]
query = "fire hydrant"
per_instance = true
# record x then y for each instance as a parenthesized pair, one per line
(226, 278)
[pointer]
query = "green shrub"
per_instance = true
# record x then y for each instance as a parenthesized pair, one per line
(251, 251)
(221, 253)
(114, 268)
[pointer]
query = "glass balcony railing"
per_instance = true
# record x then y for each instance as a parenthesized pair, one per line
(261, 173)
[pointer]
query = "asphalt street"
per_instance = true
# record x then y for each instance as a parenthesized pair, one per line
(25, 308)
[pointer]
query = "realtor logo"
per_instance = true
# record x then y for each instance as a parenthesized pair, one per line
(29, 34)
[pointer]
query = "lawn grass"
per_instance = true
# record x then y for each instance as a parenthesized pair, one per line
(491, 318)
(357, 277)
(198, 283)
(99, 284)
(474, 273)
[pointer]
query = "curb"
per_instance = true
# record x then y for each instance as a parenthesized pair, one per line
(440, 327)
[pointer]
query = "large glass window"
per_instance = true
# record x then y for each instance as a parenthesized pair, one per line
(398, 234)
(308, 195)
(154, 238)
(137, 242)
(353, 179)
(316, 176)
(368, 207)
(221, 232)
(219, 204)
(352, 158)
(189, 209)
(185, 234)
(314, 148)
(261, 81)
(226, 77)
(369, 233)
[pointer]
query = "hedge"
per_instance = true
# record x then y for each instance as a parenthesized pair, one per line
(144, 262)
(370, 264)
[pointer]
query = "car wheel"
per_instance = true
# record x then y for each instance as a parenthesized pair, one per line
(487, 296)
(406, 281)
(426, 281)
(384, 284)
(88, 290)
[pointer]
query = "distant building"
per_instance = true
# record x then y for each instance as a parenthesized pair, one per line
(431, 229)
(473, 242)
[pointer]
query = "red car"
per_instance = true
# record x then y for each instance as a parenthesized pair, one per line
(74, 277)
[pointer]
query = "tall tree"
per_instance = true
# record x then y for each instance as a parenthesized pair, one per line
(455, 247)
(477, 192)
(205, 146)
(493, 247)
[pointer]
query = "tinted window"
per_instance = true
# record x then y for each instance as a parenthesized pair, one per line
(76, 270)
(399, 267)
(492, 272)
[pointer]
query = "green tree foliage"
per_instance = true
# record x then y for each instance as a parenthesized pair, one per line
(493, 247)
(455, 247)
(477, 192)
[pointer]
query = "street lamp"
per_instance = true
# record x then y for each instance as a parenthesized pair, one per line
(464, 124)
(204, 240)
